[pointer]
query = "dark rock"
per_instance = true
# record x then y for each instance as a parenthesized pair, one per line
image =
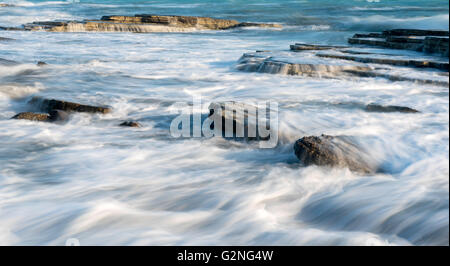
(33, 116)
(333, 152)
(428, 41)
(130, 124)
(11, 28)
(370, 35)
(390, 61)
(392, 77)
(438, 45)
(385, 44)
(47, 105)
(241, 120)
(40, 63)
(389, 109)
(309, 47)
(415, 32)
(58, 116)
(5, 5)
(5, 39)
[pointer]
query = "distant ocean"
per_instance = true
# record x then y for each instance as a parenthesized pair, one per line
(105, 185)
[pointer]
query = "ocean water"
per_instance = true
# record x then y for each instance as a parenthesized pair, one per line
(104, 185)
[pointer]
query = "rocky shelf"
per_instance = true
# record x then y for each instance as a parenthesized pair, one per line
(428, 41)
(328, 61)
(139, 24)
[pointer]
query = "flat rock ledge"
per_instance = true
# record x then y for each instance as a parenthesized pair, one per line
(428, 41)
(140, 24)
(48, 105)
(51, 110)
(251, 62)
(53, 116)
(389, 109)
(332, 151)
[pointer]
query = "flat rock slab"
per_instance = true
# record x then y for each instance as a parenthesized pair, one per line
(32, 116)
(333, 151)
(142, 24)
(48, 105)
(388, 108)
(428, 41)
(264, 63)
(391, 61)
(53, 116)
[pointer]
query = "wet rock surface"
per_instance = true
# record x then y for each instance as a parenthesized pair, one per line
(332, 151)
(389, 109)
(52, 116)
(240, 120)
(32, 116)
(429, 41)
(130, 124)
(141, 24)
(331, 61)
(268, 64)
(48, 105)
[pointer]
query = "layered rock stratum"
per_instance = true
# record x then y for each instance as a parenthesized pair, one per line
(140, 24)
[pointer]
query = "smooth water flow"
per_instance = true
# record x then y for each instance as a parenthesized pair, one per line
(105, 185)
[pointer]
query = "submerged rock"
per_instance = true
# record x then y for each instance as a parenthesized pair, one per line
(5, 39)
(333, 152)
(6, 62)
(143, 23)
(5, 5)
(47, 105)
(40, 63)
(130, 124)
(389, 109)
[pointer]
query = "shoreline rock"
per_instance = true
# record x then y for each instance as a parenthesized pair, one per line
(390, 61)
(332, 151)
(266, 64)
(32, 116)
(427, 41)
(142, 24)
(52, 116)
(48, 105)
